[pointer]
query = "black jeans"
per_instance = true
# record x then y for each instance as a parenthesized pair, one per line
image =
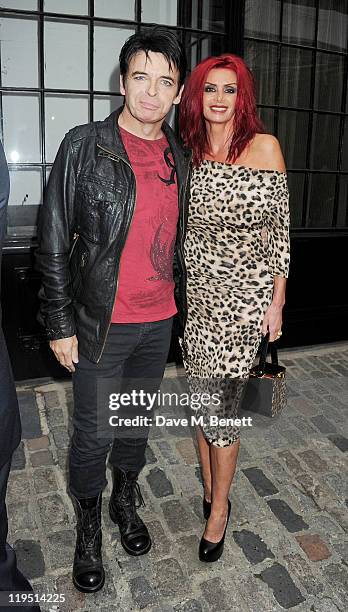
(132, 351)
(11, 579)
(4, 474)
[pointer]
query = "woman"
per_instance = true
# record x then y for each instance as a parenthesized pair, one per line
(237, 258)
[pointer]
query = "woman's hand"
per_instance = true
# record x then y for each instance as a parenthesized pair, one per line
(272, 321)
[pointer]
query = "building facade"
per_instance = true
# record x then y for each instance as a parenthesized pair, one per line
(59, 69)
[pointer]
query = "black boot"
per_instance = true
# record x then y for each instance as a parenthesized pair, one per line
(135, 537)
(88, 571)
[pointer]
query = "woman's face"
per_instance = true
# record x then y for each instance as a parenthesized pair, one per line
(220, 95)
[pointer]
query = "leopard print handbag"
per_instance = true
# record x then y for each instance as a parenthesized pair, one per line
(265, 392)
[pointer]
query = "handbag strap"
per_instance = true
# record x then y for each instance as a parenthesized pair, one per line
(274, 353)
(265, 343)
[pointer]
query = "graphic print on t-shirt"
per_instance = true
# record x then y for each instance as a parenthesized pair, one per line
(145, 285)
(170, 164)
(162, 253)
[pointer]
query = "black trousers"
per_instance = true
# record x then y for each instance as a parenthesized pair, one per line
(11, 579)
(10, 425)
(4, 474)
(133, 352)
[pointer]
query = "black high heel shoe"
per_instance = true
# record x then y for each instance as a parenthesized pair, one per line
(206, 508)
(212, 551)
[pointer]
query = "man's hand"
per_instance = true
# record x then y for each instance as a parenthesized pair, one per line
(272, 321)
(65, 350)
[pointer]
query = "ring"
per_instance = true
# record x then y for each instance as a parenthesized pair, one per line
(279, 334)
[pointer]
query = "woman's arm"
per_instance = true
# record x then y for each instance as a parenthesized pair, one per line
(273, 317)
(277, 220)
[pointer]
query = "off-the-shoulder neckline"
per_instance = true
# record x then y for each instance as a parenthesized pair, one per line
(213, 161)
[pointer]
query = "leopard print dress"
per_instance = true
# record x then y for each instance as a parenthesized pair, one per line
(237, 240)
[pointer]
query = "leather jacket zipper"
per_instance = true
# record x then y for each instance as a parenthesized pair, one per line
(111, 155)
(83, 259)
(72, 248)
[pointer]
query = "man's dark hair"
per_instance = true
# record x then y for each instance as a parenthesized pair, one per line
(157, 40)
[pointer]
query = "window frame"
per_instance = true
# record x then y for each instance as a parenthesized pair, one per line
(233, 17)
(342, 114)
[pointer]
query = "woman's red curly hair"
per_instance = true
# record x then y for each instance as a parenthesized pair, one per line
(192, 123)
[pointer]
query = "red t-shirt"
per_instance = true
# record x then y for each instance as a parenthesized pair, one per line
(145, 289)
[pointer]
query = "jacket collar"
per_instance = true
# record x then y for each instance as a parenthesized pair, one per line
(109, 137)
(181, 156)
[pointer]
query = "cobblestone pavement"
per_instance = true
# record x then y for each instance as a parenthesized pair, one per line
(286, 544)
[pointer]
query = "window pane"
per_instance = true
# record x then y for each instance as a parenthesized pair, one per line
(321, 199)
(108, 41)
(160, 11)
(342, 217)
(115, 10)
(328, 82)
(295, 77)
(19, 52)
(194, 47)
(203, 15)
(22, 220)
(67, 41)
(345, 146)
(262, 18)
(333, 24)
(293, 135)
(213, 15)
(262, 59)
(200, 46)
(26, 188)
(296, 187)
(77, 7)
(27, 5)
(21, 127)
(62, 112)
(299, 21)
(325, 142)
(267, 117)
(104, 105)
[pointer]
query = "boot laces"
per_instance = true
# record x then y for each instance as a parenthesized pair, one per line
(133, 497)
(89, 527)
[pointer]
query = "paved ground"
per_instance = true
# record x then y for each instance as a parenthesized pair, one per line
(286, 545)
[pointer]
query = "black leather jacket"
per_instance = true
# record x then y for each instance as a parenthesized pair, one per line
(83, 226)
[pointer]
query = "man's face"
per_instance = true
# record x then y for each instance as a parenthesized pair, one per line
(150, 87)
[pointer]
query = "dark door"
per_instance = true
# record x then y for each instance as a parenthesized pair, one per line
(30, 354)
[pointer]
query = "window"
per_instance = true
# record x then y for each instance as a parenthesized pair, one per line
(59, 68)
(298, 52)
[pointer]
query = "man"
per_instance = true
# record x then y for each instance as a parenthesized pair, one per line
(112, 219)
(11, 579)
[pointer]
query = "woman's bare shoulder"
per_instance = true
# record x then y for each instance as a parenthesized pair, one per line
(268, 150)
